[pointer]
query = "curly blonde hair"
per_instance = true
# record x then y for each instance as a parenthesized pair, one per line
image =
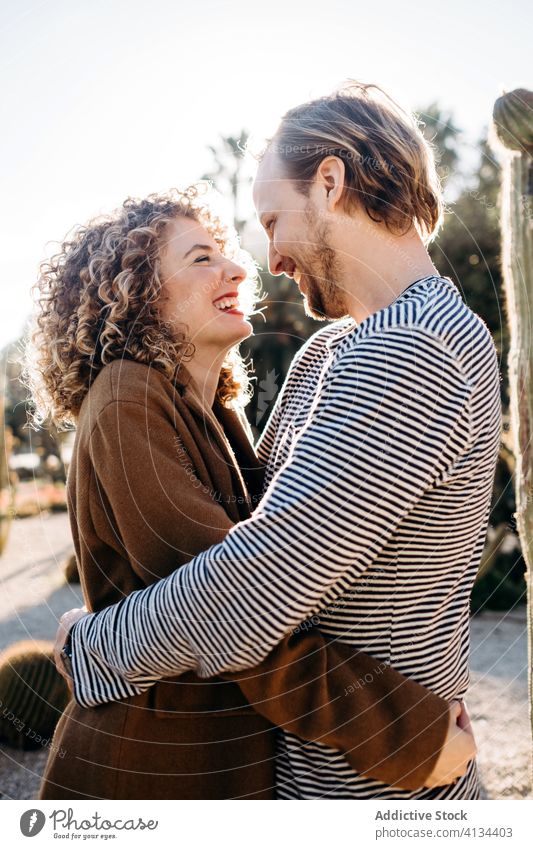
(97, 301)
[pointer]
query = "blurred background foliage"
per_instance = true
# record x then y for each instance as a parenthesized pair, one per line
(467, 250)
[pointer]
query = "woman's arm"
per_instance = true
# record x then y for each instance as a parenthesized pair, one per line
(389, 727)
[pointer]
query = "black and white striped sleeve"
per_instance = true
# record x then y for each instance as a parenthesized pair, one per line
(392, 418)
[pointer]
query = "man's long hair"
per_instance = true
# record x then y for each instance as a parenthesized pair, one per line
(389, 165)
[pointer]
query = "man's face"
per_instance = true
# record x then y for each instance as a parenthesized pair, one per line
(299, 235)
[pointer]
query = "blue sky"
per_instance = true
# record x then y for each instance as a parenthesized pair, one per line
(101, 100)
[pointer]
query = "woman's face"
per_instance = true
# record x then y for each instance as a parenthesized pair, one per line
(201, 288)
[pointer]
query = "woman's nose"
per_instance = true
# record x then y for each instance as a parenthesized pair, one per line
(236, 273)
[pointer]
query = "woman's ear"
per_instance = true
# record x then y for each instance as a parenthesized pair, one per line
(330, 178)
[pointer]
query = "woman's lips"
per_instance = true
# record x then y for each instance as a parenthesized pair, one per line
(228, 303)
(233, 311)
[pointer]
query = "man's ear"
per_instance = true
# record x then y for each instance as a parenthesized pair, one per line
(330, 181)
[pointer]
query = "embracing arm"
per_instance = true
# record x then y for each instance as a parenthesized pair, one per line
(390, 727)
(390, 420)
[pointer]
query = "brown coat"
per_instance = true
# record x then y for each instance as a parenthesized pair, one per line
(155, 480)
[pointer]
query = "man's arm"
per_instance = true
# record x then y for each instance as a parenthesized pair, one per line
(391, 420)
(387, 726)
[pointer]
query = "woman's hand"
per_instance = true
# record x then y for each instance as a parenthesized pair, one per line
(458, 750)
(65, 624)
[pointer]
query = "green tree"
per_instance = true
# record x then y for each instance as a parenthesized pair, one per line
(468, 251)
(440, 129)
(468, 247)
(230, 173)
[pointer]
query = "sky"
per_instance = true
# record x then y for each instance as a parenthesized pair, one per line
(102, 99)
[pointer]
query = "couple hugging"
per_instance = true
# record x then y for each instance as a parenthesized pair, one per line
(288, 620)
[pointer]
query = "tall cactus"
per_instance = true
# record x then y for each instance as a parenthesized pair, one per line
(513, 126)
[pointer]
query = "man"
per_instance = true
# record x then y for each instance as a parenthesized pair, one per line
(380, 451)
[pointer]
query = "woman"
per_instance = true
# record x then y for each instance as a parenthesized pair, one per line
(135, 343)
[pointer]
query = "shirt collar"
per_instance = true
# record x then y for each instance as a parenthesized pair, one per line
(350, 325)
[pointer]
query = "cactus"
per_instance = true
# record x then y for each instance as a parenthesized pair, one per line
(513, 120)
(513, 127)
(32, 694)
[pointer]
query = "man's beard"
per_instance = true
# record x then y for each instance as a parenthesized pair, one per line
(320, 267)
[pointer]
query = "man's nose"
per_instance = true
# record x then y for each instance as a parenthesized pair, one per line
(275, 261)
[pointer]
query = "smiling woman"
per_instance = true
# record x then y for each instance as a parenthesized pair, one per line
(135, 285)
(205, 291)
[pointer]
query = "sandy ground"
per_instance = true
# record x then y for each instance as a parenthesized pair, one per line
(33, 594)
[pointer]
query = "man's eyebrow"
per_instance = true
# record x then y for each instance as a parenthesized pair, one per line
(198, 248)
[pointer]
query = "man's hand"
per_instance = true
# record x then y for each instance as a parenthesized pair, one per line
(65, 624)
(458, 750)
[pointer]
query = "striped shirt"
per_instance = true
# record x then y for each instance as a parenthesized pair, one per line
(380, 455)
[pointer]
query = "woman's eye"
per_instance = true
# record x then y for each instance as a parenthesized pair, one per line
(201, 258)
